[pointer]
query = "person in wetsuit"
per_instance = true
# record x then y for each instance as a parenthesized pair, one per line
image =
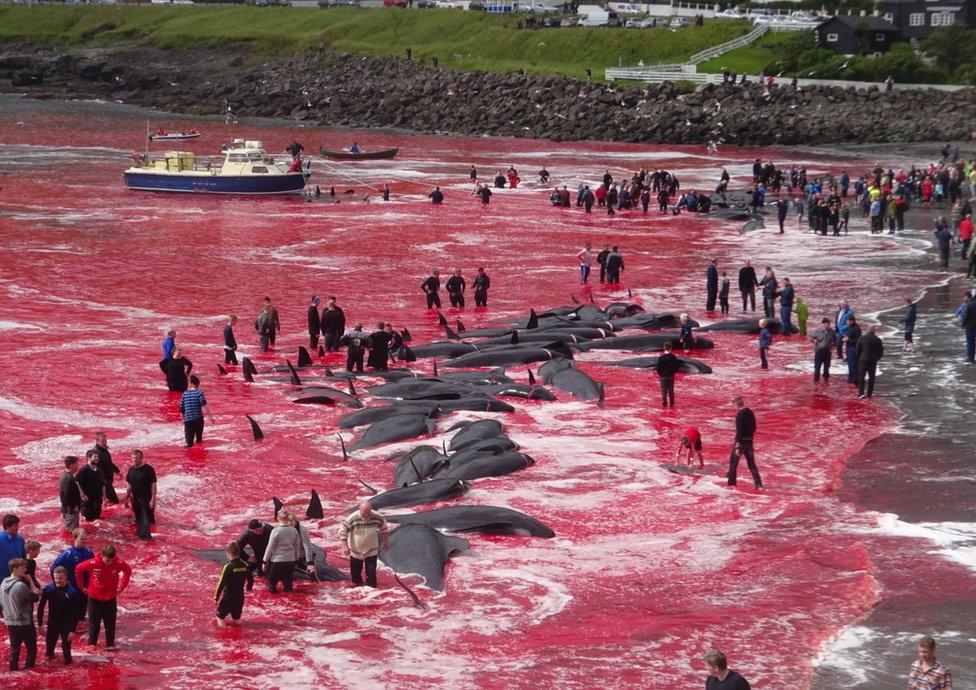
(61, 601)
(455, 289)
(431, 288)
(481, 284)
(176, 368)
(229, 595)
(379, 348)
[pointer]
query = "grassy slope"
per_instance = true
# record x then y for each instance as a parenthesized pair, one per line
(461, 39)
(750, 59)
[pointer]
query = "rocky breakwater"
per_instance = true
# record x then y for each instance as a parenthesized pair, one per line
(335, 89)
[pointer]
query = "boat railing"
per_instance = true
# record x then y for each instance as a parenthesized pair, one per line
(183, 161)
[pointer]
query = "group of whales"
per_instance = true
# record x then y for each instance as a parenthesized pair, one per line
(413, 402)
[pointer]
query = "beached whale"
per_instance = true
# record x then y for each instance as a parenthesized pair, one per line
(397, 428)
(421, 550)
(688, 365)
(429, 491)
(417, 465)
(488, 519)
(480, 465)
(750, 325)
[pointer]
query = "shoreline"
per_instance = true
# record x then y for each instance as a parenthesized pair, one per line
(329, 88)
(873, 492)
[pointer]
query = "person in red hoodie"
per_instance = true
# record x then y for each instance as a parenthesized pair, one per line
(107, 577)
(965, 233)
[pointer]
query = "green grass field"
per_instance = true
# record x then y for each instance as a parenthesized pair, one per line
(467, 40)
(750, 59)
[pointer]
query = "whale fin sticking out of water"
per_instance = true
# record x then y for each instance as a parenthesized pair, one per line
(413, 595)
(451, 335)
(533, 320)
(278, 505)
(352, 389)
(531, 378)
(515, 338)
(573, 297)
(435, 368)
(255, 429)
(460, 326)
(405, 334)
(314, 510)
(223, 372)
(295, 381)
(441, 321)
(321, 351)
(248, 366)
(342, 444)
(368, 487)
(304, 359)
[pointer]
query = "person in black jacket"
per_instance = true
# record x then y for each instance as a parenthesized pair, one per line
(850, 343)
(230, 342)
(455, 289)
(870, 350)
(911, 316)
(601, 259)
(333, 324)
(667, 366)
(481, 284)
(431, 288)
(379, 348)
(747, 285)
(177, 368)
(256, 536)
(745, 430)
(109, 469)
(229, 595)
(91, 481)
(355, 342)
(615, 264)
(314, 324)
(711, 285)
(70, 494)
(769, 286)
(61, 601)
(782, 208)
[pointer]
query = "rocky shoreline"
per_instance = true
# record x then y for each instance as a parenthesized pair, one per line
(338, 89)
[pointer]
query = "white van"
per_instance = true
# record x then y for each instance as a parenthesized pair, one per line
(594, 15)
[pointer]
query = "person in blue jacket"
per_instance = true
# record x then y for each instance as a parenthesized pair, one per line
(169, 343)
(786, 297)
(69, 560)
(840, 325)
(12, 544)
(765, 340)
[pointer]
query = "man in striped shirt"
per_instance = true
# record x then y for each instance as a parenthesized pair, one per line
(927, 673)
(193, 404)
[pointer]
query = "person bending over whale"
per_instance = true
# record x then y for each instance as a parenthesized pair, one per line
(256, 536)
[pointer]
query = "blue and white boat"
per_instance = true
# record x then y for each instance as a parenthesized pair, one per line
(245, 168)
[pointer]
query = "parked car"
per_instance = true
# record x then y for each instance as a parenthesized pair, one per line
(536, 7)
(338, 3)
(394, 3)
(730, 13)
(476, 6)
(645, 23)
(677, 22)
(594, 15)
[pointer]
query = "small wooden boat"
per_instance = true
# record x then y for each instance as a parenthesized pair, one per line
(163, 135)
(360, 155)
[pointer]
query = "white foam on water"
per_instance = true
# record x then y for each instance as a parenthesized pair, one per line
(956, 541)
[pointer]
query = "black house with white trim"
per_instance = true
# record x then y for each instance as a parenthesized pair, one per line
(850, 35)
(917, 19)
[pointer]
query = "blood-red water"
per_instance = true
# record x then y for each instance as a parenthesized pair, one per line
(649, 569)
